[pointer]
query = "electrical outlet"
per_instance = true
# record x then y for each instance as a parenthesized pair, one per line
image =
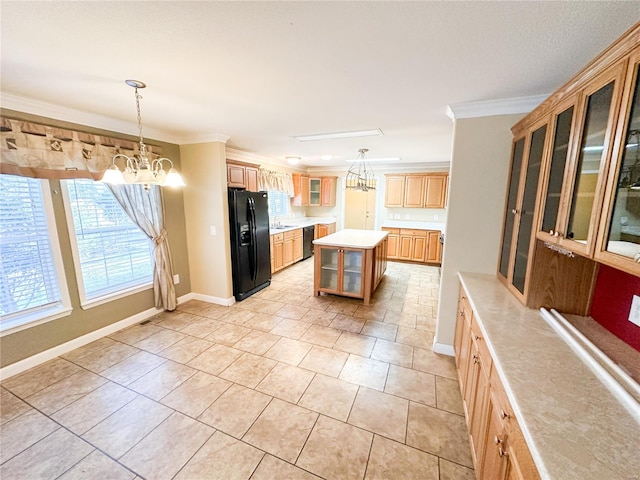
(176, 279)
(634, 313)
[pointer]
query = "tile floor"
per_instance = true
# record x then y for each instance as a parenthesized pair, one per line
(283, 385)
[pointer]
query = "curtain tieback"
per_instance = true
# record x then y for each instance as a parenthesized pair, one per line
(160, 238)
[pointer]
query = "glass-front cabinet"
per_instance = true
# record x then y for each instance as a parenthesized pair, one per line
(341, 271)
(619, 239)
(315, 191)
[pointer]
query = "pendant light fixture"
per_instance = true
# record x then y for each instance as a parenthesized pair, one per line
(360, 176)
(138, 169)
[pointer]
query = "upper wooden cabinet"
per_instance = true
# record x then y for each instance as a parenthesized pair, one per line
(242, 175)
(328, 191)
(301, 190)
(416, 190)
(313, 192)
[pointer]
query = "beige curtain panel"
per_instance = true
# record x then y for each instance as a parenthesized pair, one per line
(270, 180)
(146, 210)
(40, 151)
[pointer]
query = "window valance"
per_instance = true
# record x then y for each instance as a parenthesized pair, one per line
(41, 151)
(270, 180)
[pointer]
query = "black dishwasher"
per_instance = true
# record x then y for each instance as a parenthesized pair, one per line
(307, 241)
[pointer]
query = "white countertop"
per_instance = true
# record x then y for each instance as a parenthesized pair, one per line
(574, 425)
(295, 223)
(353, 239)
(416, 225)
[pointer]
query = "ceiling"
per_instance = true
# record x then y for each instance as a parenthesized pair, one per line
(263, 72)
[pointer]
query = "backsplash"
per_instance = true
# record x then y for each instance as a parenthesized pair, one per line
(612, 301)
(415, 214)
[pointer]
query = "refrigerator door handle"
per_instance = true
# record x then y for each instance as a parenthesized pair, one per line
(254, 240)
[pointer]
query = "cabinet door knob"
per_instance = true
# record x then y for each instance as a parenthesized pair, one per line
(514, 211)
(462, 313)
(476, 359)
(477, 337)
(497, 440)
(502, 452)
(504, 415)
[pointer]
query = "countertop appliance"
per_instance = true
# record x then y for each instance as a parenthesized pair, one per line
(250, 252)
(307, 241)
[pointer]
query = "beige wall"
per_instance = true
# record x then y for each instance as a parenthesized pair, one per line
(205, 206)
(477, 191)
(25, 343)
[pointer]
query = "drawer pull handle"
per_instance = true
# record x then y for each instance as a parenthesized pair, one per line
(476, 359)
(462, 313)
(497, 440)
(502, 452)
(477, 337)
(504, 415)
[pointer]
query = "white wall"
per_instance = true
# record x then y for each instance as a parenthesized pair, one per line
(477, 192)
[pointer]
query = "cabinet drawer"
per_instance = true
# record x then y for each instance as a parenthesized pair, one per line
(502, 405)
(278, 237)
(478, 339)
(413, 233)
(391, 230)
(293, 233)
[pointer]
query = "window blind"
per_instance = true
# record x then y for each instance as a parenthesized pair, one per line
(278, 204)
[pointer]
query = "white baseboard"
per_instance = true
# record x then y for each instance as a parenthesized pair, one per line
(443, 349)
(227, 302)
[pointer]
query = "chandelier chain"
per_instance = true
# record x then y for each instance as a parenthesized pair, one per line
(143, 148)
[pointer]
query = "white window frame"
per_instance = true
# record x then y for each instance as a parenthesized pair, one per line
(39, 315)
(85, 302)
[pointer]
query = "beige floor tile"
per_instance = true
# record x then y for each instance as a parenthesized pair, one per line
(99, 361)
(348, 323)
(340, 306)
(12, 406)
(380, 330)
(265, 321)
(378, 412)
(228, 334)
(329, 396)
(194, 306)
(215, 359)
(392, 352)
(391, 459)
(411, 305)
(412, 385)
(66, 391)
(175, 320)
(47, 459)
(186, 349)
(364, 371)
(390, 304)
(136, 333)
(427, 361)
(237, 315)
(22, 432)
(40, 377)
(257, 342)
(286, 382)
(354, 343)
(453, 471)
(133, 367)
(162, 453)
(320, 335)
(318, 317)
(336, 450)
(272, 468)
(324, 360)
(401, 319)
(202, 328)
(89, 348)
(290, 328)
(288, 351)
(317, 303)
(159, 341)
(272, 305)
(292, 312)
(368, 312)
(248, 370)
(235, 410)
(282, 429)
(448, 396)
(438, 432)
(94, 407)
(126, 427)
(415, 337)
(196, 394)
(159, 382)
(98, 466)
(213, 311)
(222, 458)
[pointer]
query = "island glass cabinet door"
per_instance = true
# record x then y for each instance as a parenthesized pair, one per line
(341, 271)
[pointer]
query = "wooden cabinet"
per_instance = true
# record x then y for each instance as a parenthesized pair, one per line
(277, 252)
(313, 192)
(315, 186)
(498, 449)
(416, 190)
(328, 191)
(242, 175)
(300, 189)
(292, 249)
(324, 229)
(414, 245)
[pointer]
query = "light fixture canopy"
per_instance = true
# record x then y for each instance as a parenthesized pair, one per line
(360, 176)
(293, 160)
(138, 169)
(338, 135)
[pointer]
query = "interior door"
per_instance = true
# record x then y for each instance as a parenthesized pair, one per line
(360, 209)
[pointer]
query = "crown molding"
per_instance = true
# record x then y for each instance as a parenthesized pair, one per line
(80, 117)
(486, 108)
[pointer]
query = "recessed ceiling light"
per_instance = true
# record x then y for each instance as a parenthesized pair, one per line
(333, 136)
(327, 157)
(293, 160)
(387, 159)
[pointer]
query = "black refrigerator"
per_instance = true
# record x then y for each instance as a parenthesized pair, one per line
(250, 253)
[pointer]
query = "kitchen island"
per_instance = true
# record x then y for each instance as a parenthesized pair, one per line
(350, 263)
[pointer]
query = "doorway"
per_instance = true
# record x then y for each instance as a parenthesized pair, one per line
(360, 209)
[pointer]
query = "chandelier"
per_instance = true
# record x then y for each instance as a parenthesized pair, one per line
(360, 176)
(138, 169)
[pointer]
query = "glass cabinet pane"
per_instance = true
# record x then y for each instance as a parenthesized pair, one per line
(512, 198)
(329, 268)
(534, 164)
(352, 281)
(591, 154)
(556, 171)
(314, 191)
(624, 229)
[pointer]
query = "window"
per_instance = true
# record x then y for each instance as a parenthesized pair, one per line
(32, 284)
(278, 204)
(113, 257)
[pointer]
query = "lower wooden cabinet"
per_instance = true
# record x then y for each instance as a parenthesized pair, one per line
(286, 249)
(498, 448)
(324, 229)
(414, 245)
(277, 252)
